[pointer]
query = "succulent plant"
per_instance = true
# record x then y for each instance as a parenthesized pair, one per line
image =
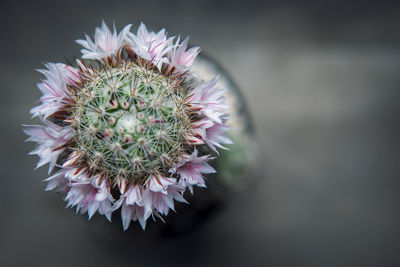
(123, 128)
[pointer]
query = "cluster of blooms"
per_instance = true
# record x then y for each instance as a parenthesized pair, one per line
(147, 184)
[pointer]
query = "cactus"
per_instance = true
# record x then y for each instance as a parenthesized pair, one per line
(130, 121)
(123, 128)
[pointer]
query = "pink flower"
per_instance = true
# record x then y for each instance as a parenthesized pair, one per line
(131, 203)
(158, 183)
(162, 202)
(212, 133)
(88, 196)
(209, 100)
(190, 170)
(132, 213)
(180, 58)
(75, 174)
(55, 96)
(139, 203)
(58, 182)
(105, 42)
(150, 45)
(160, 194)
(51, 139)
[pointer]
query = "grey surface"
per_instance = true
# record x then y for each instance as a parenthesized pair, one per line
(322, 83)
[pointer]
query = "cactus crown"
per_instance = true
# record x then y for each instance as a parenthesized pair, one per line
(130, 121)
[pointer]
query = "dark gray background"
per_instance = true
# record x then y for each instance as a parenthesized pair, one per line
(322, 83)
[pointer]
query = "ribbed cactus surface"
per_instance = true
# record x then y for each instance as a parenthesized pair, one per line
(130, 121)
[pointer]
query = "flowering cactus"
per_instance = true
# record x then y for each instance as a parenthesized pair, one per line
(122, 129)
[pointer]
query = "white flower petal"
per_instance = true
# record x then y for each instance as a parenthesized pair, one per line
(106, 43)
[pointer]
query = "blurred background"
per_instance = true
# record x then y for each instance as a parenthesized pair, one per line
(321, 79)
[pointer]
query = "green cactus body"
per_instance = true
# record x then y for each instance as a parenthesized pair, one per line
(130, 121)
